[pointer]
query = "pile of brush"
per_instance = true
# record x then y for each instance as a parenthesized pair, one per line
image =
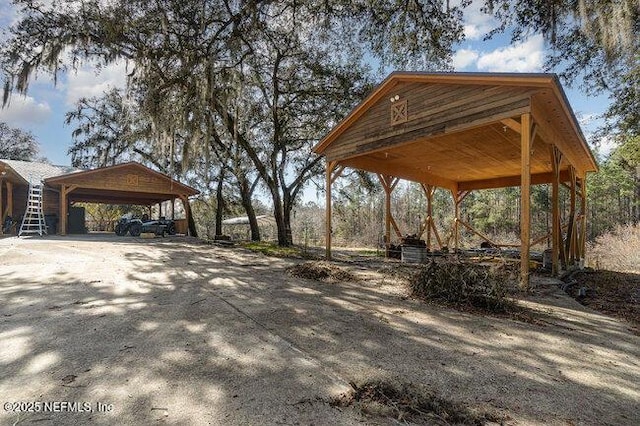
(459, 284)
(321, 271)
(408, 402)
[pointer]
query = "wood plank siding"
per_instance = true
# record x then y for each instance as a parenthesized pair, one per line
(433, 110)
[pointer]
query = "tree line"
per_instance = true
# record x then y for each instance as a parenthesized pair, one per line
(230, 96)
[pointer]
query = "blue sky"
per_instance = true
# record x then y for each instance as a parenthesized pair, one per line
(42, 111)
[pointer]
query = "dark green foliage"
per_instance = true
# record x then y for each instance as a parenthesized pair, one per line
(462, 284)
(17, 144)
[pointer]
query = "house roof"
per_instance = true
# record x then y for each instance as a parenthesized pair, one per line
(35, 172)
(458, 127)
(127, 183)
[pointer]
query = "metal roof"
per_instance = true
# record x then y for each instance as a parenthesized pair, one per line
(34, 172)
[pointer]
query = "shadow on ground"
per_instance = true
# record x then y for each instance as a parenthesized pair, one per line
(185, 333)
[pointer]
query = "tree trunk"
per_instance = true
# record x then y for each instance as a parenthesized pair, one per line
(245, 196)
(287, 222)
(192, 224)
(636, 201)
(219, 203)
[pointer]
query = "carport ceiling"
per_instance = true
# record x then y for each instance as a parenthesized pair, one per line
(117, 197)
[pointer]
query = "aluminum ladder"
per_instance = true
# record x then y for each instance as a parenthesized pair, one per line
(33, 220)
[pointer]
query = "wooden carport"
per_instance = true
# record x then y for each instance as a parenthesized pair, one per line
(128, 183)
(469, 131)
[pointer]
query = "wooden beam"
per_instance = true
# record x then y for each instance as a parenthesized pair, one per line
(395, 227)
(583, 214)
(63, 210)
(387, 218)
(456, 218)
(549, 134)
(525, 199)
(428, 192)
(435, 232)
(336, 173)
(512, 124)
(10, 199)
(413, 174)
(388, 184)
(478, 233)
(556, 241)
(507, 181)
(1, 210)
(570, 240)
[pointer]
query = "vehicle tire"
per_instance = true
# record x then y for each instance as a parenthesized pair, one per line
(135, 229)
(120, 230)
(171, 229)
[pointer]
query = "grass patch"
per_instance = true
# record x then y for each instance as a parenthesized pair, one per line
(407, 402)
(321, 271)
(369, 253)
(273, 249)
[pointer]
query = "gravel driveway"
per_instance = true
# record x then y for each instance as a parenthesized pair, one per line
(172, 331)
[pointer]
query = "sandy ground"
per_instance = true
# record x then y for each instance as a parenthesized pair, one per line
(171, 331)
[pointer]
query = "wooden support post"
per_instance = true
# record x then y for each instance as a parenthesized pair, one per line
(571, 230)
(388, 184)
(1, 209)
(63, 210)
(327, 219)
(9, 209)
(556, 232)
(458, 197)
(429, 190)
(173, 208)
(387, 217)
(583, 213)
(437, 235)
(525, 198)
(64, 206)
(159, 210)
(456, 217)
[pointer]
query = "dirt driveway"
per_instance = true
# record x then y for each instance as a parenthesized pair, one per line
(176, 332)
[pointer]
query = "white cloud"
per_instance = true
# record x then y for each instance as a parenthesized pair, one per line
(477, 23)
(587, 119)
(606, 144)
(25, 111)
(464, 57)
(89, 81)
(522, 57)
